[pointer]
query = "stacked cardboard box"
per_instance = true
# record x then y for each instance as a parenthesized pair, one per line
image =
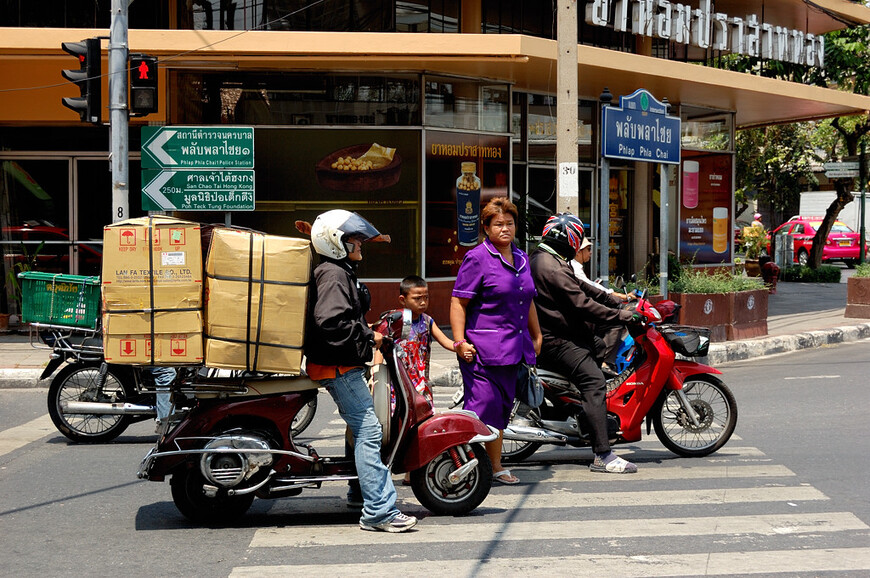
(152, 292)
(256, 294)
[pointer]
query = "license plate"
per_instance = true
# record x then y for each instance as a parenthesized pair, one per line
(845, 243)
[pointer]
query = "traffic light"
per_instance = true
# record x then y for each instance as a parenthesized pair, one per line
(87, 78)
(143, 84)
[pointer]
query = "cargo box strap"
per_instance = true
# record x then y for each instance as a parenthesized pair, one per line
(151, 280)
(247, 342)
(158, 310)
(262, 284)
(248, 279)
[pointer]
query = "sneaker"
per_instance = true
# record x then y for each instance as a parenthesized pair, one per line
(612, 464)
(401, 523)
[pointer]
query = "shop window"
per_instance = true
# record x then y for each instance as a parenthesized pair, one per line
(299, 100)
(330, 15)
(78, 14)
(294, 181)
(465, 104)
(531, 17)
(705, 131)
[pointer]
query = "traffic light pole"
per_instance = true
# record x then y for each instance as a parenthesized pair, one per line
(119, 130)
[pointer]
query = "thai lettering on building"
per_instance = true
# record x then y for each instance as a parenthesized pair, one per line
(704, 28)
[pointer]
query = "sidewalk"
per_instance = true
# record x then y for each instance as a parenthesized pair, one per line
(800, 316)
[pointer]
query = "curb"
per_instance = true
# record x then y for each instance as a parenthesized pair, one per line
(739, 350)
(19, 378)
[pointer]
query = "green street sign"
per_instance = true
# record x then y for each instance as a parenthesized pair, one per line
(198, 190)
(197, 147)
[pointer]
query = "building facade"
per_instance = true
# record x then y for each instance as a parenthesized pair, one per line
(453, 91)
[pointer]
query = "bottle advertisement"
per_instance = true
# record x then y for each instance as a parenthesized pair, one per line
(463, 172)
(705, 208)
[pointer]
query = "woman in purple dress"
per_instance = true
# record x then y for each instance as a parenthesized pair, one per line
(494, 323)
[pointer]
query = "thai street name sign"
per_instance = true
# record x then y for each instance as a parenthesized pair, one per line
(198, 190)
(640, 130)
(197, 147)
(841, 170)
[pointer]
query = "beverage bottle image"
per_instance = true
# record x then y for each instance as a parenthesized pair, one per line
(468, 205)
(720, 229)
(690, 184)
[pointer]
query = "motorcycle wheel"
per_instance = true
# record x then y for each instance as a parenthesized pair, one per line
(76, 383)
(191, 501)
(434, 490)
(717, 409)
(513, 451)
(304, 418)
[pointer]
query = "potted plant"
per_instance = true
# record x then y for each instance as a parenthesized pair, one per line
(731, 305)
(754, 242)
(858, 293)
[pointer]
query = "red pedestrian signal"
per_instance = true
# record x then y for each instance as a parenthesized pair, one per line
(143, 84)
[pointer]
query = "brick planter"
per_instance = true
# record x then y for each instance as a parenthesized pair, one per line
(858, 297)
(730, 316)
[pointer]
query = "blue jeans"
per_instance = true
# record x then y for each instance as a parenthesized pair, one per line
(163, 378)
(354, 401)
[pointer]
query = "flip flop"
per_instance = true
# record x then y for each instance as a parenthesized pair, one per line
(504, 477)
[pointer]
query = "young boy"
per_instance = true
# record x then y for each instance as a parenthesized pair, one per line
(412, 330)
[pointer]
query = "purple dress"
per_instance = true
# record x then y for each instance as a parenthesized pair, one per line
(496, 323)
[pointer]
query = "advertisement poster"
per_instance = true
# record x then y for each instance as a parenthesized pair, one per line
(463, 172)
(705, 208)
(302, 172)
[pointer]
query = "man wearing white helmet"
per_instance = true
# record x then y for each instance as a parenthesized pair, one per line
(338, 344)
(756, 220)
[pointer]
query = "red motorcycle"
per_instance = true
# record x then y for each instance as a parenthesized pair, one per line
(235, 443)
(693, 411)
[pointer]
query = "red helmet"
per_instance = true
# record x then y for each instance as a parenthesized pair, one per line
(564, 233)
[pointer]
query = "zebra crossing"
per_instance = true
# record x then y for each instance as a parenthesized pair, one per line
(734, 512)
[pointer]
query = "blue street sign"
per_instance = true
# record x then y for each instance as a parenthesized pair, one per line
(641, 130)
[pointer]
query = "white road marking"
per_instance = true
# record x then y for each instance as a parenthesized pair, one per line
(19, 436)
(765, 525)
(801, 562)
(814, 377)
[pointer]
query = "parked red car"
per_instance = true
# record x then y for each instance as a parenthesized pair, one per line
(843, 244)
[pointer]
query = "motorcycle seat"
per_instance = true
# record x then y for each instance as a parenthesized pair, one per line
(281, 385)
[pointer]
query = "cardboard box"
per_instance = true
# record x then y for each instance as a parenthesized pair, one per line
(256, 296)
(177, 338)
(159, 248)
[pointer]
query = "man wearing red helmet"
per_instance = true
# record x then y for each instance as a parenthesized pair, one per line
(567, 316)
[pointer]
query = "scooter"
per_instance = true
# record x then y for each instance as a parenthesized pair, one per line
(693, 412)
(230, 447)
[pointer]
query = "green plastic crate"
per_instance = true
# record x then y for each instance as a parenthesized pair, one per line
(55, 299)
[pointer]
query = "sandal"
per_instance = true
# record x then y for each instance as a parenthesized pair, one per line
(505, 477)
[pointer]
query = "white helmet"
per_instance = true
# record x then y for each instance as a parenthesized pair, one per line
(331, 230)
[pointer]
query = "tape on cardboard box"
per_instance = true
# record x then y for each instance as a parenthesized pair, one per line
(139, 274)
(127, 338)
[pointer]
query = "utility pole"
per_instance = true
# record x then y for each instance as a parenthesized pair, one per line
(118, 127)
(603, 241)
(862, 166)
(567, 101)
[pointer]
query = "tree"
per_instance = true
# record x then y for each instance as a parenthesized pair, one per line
(847, 53)
(774, 166)
(847, 56)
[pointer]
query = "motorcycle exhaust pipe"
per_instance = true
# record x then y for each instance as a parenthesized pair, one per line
(98, 408)
(523, 433)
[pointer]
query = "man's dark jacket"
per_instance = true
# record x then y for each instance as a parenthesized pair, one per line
(336, 331)
(568, 310)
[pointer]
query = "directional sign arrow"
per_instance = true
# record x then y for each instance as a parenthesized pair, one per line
(152, 189)
(155, 147)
